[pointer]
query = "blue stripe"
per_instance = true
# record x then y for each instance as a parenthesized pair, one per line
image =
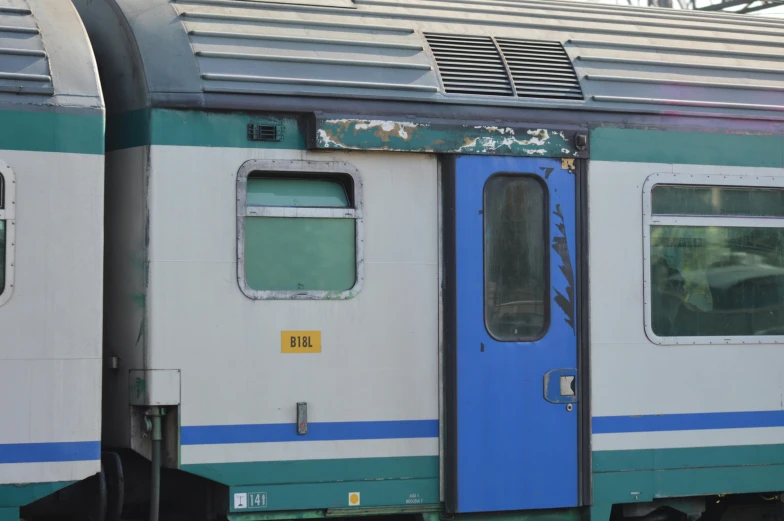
(687, 422)
(328, 431)
(48, 452)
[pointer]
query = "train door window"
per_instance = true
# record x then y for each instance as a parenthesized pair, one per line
(7, 207)
(515, 273)
(715, 259)
(300, 226)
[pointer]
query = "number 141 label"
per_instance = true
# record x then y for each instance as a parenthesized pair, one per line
(300, 341)
(250, 500)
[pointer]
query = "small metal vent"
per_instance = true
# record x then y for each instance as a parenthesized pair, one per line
(470, 65)
(540, 69)
(268, 132)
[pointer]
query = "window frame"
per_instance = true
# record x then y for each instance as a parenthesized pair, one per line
(649, 219)
(302, 169)
(8, 214)
(547, 259)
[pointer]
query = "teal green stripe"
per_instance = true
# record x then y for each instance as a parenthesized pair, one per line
(20, 495)
(310, 471)
(197, 129)
(335, 495)
(629, 487)
(656, 459)
(694, 148)
(52, 132)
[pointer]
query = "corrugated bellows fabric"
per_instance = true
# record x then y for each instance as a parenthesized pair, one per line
(489, 66)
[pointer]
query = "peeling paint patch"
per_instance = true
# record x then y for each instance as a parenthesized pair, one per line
(568, 164)
(409, 136)
(326, 141)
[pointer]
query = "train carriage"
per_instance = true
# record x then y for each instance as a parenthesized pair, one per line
(51, 252)
(467, 257)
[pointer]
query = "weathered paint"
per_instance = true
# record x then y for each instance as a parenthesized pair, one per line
(645, 486)
(20, 495)
(315, 471)
(373, 493)
(322, 484)
(568, 164)
(52, 132)
(688, 148)
(684, 458)
(408, 136)
(194, 128)
(431, 513)
(631, 476)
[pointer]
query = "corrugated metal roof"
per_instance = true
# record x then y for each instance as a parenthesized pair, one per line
(27, 74)
(634, 59)
(24, 65)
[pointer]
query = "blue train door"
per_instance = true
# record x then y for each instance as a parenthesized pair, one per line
(512, 409)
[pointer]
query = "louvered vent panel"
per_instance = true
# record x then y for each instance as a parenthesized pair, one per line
(540, 69)
(470, 65)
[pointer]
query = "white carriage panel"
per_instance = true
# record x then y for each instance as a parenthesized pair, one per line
(50, 370)
(379, 354)
(125, 278)
(55, 403)
(688, 439)
(56, 308)
(313, 450)
(378, 362)
(630, 374)
(50, 400)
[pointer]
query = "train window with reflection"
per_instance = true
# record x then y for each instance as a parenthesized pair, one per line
(299, 225)
(716, 261)
(515, 258)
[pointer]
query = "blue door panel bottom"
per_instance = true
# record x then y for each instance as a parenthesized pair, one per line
(515, 449)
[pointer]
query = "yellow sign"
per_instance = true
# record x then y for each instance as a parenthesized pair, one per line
(300, 341)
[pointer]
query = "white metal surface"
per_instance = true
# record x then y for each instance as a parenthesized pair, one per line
(313, 450)
(379, 358)
(50, 354)
(627, 368)
(154, 387)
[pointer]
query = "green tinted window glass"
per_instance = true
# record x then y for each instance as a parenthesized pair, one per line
(515, 256)
(320, 193)
(717, 281)
(300, 254)
(717, 200)
(2, 256)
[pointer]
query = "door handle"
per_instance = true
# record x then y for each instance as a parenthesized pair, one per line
(560, 386)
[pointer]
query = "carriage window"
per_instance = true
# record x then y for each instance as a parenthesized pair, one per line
(717, 261)
(515, 258)
(298, 230)
(299, 252)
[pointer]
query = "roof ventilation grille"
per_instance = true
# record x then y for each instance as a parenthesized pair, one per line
(470, 65)
(540, 69)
